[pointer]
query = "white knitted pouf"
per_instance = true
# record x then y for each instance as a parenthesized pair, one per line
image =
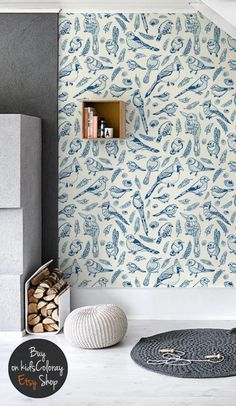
(95, 326)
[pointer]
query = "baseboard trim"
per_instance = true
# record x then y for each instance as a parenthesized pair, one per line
(12, 334)
(163, 304)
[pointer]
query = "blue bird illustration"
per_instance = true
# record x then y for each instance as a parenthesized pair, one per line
(91, 25)
(176, 44)
(152, 165)
(232, 141)
(134, 144)
(71, 273)
(64, 27)
(228, 284)
(219, 192)
(195, 65)
(213, 146)
(170, 277)
(94, 65)
(162, 96)
(164, 231)
(163, 198)
(164, 28)
(69, 174)
(196, 166)
(211, 111)
(138, 102)
(101, 282)
(176, 146)
(117, 192)
(96, 188)
(69, 73)
(169, 211)
(132, 267)
(153, 266)
(91, 228)
(169, 176)
(96, 87)
(134, 43)
(232, 166)
(133, 166)
(152, 63)
(112, 44)
(196, 267)
(64, 230)
(232, 266)
(164, 130)
(197, 87)
(118, 91)
(198, 188)
(111, 247)
(213, 45)
(75, 247)
(95, 268)
(169, 74)
(112, 148)
(193, 127)
(68, 210)
(75, 44)
(94, 166)
(75, 146)
(68, 109)
(185, 283)
(139, 205)
(170, 109)
(133, 65)
(176, 247)
(231, 242)
(210, 212)
(110, 212)
(63, 197)
(134, 245)
(203, 283)
(232, 43)
(193, 228)
(232, 63)
(64, 129)
(219, 91)
(63, 96)
(213, 247)
(192, 25)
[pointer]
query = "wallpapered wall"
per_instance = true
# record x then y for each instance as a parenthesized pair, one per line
(159, 209)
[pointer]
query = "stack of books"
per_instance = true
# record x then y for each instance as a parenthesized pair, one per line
(90, 122)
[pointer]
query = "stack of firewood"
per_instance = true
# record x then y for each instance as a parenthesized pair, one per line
(43, 300)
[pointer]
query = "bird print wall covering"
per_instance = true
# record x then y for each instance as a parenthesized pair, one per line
(158, 209)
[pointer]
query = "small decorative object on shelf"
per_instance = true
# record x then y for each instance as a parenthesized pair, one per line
(47, 301)
(103, 119)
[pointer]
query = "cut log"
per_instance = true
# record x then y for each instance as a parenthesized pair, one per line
(51, 305)
(32, 308)
(32, 299)
(31, 291)
(34, 320)
(41, 304)
(57, 287)
(48, 298)
(56, 300)
(44, 311)
(48, 327)
(55, 315)
(40, 276)
(54, 325)
(48, 320)
(49, 312)
(39, 292)
(38, 328)
(51, 280)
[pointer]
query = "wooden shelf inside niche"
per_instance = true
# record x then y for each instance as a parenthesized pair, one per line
(114, 113)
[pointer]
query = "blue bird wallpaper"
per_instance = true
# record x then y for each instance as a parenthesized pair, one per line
(159, 208)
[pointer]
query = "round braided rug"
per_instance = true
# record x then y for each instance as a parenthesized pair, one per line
(195, 344)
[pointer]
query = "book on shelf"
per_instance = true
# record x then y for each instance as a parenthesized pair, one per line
(90, 122)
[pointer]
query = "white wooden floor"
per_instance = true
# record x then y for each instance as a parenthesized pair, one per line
(110, 378)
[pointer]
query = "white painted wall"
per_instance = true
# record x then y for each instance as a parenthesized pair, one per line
(164, 304)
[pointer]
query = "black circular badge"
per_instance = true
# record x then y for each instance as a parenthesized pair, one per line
(38, 368)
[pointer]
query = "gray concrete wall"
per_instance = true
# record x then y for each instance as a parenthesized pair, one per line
(28, 85)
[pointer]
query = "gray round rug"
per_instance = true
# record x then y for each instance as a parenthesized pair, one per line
(195, 353)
